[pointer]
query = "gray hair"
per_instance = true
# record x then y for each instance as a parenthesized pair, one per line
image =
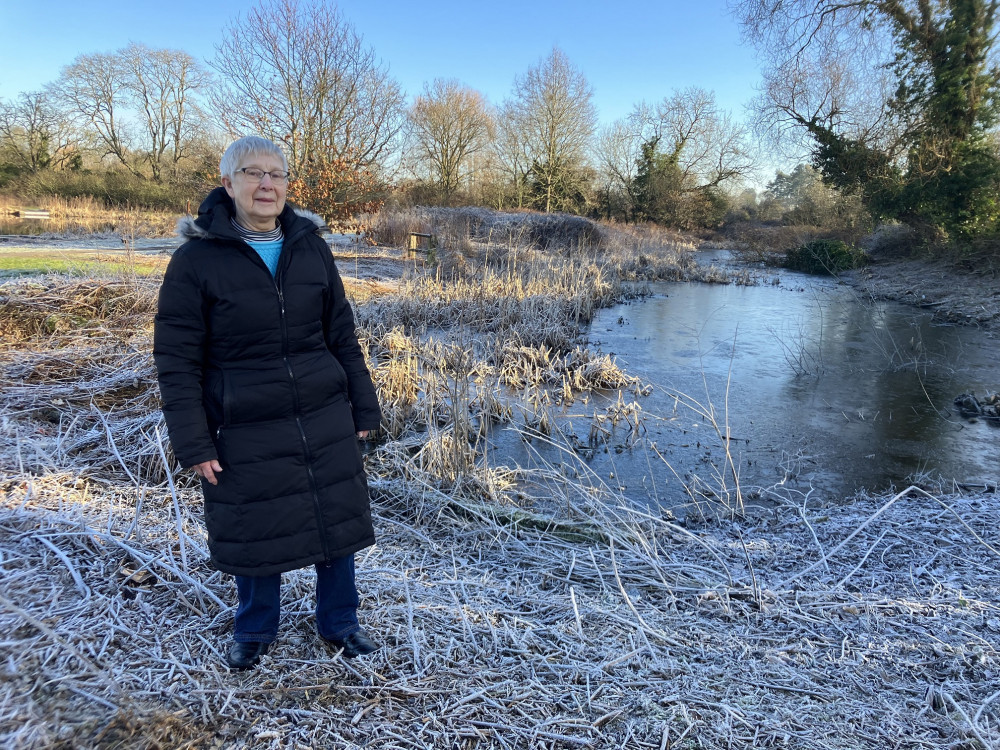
(242, 148)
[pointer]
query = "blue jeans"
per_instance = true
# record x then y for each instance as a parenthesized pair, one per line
(259, 609)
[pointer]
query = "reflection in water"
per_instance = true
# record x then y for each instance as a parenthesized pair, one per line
(77, 225)
(822, 391)
(864, 390)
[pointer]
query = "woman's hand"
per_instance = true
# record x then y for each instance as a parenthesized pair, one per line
(362, 435)
(207, 470)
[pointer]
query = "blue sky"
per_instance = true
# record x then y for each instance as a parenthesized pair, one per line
(629, 51)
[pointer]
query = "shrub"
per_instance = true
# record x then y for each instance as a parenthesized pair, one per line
(825, 257)
(340, 191)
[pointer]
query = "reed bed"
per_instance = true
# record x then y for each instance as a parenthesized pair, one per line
(454, 350)
(520, 607)
(82, 215)
(84, 205)
(544, 310)
(468, 239)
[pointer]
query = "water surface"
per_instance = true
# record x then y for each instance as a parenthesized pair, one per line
(822, 392)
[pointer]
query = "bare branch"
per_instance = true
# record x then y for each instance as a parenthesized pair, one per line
(300, 74)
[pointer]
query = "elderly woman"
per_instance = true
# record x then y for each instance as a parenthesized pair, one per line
(265, 392)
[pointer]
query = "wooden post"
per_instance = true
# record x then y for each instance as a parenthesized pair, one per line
(420, 241)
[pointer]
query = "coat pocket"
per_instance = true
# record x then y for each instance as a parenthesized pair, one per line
(227, 398)
(340, 374)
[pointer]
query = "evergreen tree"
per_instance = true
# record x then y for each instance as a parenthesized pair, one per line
(657, 187)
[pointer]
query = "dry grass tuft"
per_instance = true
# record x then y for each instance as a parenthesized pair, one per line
(55, 306)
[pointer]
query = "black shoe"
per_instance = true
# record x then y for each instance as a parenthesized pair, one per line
(354, 644)
(245, 655)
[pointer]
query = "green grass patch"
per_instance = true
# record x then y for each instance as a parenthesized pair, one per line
(16, 264)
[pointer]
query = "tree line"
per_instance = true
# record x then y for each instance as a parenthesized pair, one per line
(299, 73)
(895, 103)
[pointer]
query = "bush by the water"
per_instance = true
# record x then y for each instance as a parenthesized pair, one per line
(825, 257)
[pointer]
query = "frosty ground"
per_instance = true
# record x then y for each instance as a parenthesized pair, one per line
(515, 614)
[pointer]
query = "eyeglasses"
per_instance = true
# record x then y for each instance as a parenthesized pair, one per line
(253, 174)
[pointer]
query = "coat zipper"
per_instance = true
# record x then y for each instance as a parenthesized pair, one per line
(313, 488)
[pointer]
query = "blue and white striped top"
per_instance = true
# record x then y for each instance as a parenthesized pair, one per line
(267, 244)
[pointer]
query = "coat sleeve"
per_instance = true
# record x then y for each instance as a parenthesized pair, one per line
(342, 340)
(179, 338)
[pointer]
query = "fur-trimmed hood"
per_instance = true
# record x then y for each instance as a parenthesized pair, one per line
(216, 210)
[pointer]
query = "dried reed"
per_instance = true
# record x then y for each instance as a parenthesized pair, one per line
(85, 215)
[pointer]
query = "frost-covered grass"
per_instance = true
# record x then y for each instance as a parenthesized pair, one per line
(867, 625)
(519, 608)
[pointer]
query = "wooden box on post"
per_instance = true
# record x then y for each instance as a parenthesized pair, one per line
(421, 241)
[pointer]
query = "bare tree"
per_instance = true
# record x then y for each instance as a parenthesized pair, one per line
(701, 143)
(618, 152)
(553, 113)
(838, 66)
(33, 133)
(709, 147)
(510, 150)
(895, 100)
(93, 91)
(300, 74)
(488, 185)
(450, 123)
(162, 84)
(826, 64)
(137, 104)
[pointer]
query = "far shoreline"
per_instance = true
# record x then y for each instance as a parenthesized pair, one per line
(955, 295)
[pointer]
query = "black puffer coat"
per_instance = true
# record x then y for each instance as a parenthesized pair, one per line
(265, 374)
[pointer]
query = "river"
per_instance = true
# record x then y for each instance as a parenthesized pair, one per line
(822, 392)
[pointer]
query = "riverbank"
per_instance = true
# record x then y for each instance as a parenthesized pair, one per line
(954, 294)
